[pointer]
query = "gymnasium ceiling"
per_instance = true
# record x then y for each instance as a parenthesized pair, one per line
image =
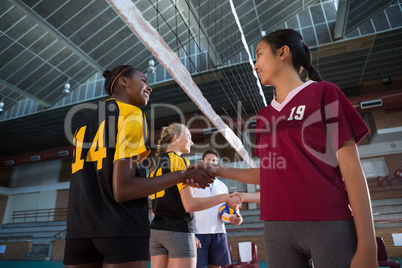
(45, 43)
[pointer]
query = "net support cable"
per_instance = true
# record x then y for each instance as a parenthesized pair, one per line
(192, 11)
(169, 59)
(241, 71)
(188, 54)
(229, 45)
(200, 50)
(243, 39)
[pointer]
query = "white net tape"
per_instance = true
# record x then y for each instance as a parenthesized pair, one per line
(168, 58)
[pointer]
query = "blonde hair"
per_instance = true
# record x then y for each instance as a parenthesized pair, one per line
(166, 139)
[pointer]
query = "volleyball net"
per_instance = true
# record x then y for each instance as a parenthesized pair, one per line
(222, 61)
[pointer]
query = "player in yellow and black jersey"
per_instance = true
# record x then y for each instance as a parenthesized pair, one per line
(107, 218)
(166, 205)
(172, 229)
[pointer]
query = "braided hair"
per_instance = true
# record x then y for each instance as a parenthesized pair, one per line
(301, 54)
(166, 138)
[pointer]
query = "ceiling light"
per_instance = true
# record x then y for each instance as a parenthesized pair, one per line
(34, 158)
(386, 80)
(63, 153)
(151, 68)
(370, 104)
(66, 89)
(2, 105)
(9, 162)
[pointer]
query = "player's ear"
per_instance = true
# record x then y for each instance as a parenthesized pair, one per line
(175, 138)
(124, 81)
(284, 52)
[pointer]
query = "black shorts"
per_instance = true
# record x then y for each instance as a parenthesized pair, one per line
(110, 250)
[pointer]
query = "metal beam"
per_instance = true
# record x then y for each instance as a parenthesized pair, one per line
(341, 19)
(20, 91)
(43, 23)
(204, 37)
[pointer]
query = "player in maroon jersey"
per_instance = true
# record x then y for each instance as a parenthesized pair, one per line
(310, 174)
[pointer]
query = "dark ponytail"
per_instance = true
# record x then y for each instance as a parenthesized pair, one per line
(112, 76)
(301, 54)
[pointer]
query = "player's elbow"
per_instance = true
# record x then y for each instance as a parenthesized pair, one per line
(120, 197)
(189, 208)
(122, 194)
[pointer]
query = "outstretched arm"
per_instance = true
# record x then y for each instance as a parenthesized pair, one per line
(126, 186)
(246, 175)
(192, 203)
(359, 199)
(248, 197)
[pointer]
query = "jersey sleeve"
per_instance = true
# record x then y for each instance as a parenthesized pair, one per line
(180, 163)
(131, 134)
(341, 119)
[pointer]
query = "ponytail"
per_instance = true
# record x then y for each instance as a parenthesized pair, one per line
(165, 140)
(313, 74)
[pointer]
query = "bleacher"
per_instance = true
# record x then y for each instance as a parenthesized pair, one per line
(251, 224)
(33, 232)
(38, 232)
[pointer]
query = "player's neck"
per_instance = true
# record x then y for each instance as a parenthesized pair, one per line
(174, 148)
(285, 86)
(119, 97)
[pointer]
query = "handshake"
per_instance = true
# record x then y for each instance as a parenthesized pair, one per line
(234, 201)
(200, 175)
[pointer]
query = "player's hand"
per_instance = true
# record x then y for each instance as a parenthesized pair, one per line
(234, 202)
(198, 178)
(236, 219)
(197, 243)
(237, 194)
(210, 168)
(361, 259)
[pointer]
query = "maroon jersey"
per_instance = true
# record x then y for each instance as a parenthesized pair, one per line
(296, 141)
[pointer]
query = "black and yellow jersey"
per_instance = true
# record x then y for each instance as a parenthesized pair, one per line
(115, 130)
(167, 206)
